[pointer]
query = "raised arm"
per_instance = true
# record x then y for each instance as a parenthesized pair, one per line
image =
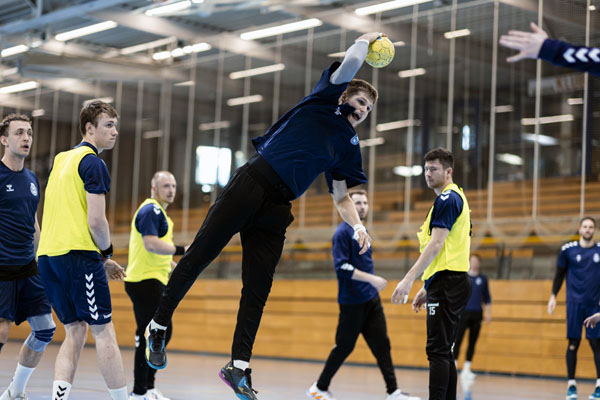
(354, 58)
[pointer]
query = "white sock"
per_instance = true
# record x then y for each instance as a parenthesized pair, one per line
(467, 366)
(60, 390)
(119, 394)
(243, 365)
(571, 382)
(19, 381)
(154, 325)
(597, 382)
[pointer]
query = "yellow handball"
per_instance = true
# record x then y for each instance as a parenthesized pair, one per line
(381, 52)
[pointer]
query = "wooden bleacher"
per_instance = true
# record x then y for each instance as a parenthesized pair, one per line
(301, 315)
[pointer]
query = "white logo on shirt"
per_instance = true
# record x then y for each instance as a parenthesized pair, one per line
(478, 281)
(432, 307)
(156, 210)
(596, 258)
(578, 258)
(338, 111)
(33, 189)
(9, 188)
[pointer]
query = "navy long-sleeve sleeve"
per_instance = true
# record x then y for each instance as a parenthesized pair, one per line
(585, 59)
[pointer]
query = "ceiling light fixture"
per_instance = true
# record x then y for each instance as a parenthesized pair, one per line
(238, 101)
(86, 30)
(548, 120)
(281, 29)
(11, 51)
(19, 87)
(169, 8)
(387, 6)
(457, 33)
(412, 72)
(257, 71)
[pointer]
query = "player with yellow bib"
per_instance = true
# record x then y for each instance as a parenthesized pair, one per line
(151, 251)
(445, 243)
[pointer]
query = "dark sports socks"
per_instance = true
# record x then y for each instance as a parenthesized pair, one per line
(595, 345)
(572, 357)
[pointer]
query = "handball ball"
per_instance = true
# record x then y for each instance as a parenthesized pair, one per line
(381, 52)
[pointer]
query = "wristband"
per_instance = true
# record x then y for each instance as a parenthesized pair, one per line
(108, 253)
(357, 229)
(179, 250)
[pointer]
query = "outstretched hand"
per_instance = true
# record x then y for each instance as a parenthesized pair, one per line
(527, 43)
(591, 321)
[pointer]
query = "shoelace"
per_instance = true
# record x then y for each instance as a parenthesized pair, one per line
(247, 372)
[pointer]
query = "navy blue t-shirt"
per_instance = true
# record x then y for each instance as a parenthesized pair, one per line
(19, 198)
(150, 220)
(93, 172)
(346, 258)
(314, 137)
(446, 209)
(480, 293)
(583, 272)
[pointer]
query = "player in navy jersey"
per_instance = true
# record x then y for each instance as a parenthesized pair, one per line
(473, 315)
(579, 261)
(22, 295)
(360, 309)
(315, 136)
(536, 44)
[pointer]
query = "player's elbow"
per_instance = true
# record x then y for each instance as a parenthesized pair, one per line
(96, 223)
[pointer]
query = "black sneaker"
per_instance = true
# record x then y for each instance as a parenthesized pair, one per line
(155, 348)
(239, 381)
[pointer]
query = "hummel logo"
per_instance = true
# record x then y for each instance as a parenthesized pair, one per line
(91, 299)
(60, 393)
(156, 211)
(444, 197)
(9, 188)
(338, 112)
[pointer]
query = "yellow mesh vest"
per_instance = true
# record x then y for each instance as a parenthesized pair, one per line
(143, 264)
(64, 223)
(454, 255)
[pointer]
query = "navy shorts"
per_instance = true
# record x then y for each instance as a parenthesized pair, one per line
(576, 314)
(77, 287)
(23, 298)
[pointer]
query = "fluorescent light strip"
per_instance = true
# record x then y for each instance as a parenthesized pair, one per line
(388, 5)
(86, 30)
(411, 72)
(592, 8)
(38, 112)
(19, 87)
(185, 83)
(458, 33)
(339, 54)
(407, 171)
(11, 51)
(169, 8)
(281, 29)
(372, 142)
(147, 46)
(9, 71)
(399, 43)
(238, 101)
(257, 71)
(152, 134)
(508, 158)
(181, 51)
(575, 101)
(388, 126)
(543, 140)
(548, 120)
(504, 109)
(208, 126)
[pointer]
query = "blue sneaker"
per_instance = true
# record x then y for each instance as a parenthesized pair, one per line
(155, 348)
(572, 393)
(596, 394)
(239, 381)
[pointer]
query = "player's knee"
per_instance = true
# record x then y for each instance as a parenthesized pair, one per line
(42, 331)
(574, 344)
(345, 348)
